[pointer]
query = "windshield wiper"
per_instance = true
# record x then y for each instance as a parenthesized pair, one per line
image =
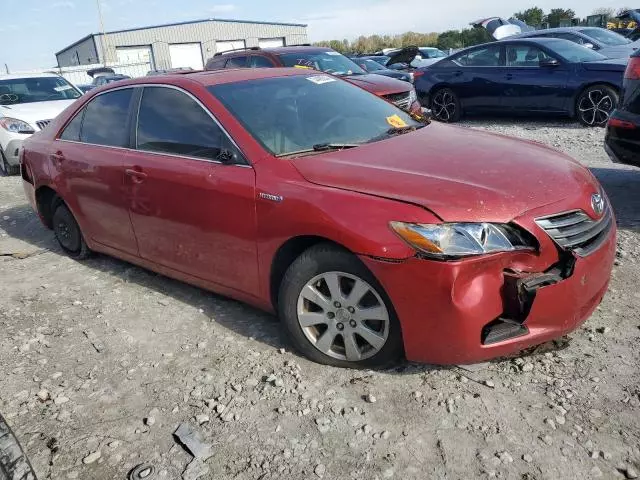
(394, 131)
(320, 147)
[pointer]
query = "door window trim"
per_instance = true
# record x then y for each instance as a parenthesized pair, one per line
(135, 110)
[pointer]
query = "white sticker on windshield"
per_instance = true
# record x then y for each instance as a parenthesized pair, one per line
(333, 53)
(62, 88)
(320, 79)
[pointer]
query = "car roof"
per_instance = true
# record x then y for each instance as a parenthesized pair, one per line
(16, 76)
(294, 49)
(209, 78)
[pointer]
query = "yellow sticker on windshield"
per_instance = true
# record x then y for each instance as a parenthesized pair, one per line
(396, 121)
(302, 66)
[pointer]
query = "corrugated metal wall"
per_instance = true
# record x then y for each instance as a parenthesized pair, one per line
(83, 53)
(206, 33)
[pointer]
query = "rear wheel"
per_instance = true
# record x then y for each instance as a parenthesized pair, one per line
(445, 106)
(595, 104)
(6, 168)
(336, 312)
(14, 464)
(67, 231)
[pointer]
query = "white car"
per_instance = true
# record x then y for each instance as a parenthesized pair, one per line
(28, 102)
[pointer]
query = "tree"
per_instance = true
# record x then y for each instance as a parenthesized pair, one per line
(450, 39)
(621, 10)
(606, 11)
(557, 14)
(531, 16)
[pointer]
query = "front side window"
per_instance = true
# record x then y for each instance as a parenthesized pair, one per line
(237, 62)
(482, 57)
(106, 119)
(36, 89)
(257, 61)
(170, 121)
(525, 56)
(325, 61)
(301, 114)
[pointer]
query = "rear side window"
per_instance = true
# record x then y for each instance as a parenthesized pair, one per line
(106, 119)
(257, 61)
(237, 62)
(72, 130)
(482, 57)
(170, 121)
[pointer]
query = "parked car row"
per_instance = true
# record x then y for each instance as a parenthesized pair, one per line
(300, 193)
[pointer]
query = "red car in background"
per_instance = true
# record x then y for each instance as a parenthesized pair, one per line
(322, 59)
(369, 233)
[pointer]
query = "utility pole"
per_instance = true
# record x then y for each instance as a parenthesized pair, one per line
(6, 67)
(104, 37)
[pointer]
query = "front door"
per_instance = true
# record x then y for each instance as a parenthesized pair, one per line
(532, 84)
(192, 209)
(90, 154)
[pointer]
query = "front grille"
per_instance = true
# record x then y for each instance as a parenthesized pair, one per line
(42, 123)
(400, 100)
(576, 231)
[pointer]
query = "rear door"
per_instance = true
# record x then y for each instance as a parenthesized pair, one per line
(531, 84)
(88, 160)
(478, 77)
(191, 211)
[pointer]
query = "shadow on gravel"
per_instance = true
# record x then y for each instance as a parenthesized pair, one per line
(623, 188)
(236, 316)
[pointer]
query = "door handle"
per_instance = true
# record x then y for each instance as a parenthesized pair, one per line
(57, 157)
(136, 175)
(509, 76)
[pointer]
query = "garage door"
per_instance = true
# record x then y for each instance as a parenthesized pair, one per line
(229, 45)
(271, 42)
(127, 55)
(186, 55)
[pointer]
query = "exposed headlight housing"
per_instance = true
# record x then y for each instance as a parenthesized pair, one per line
(448, 241)
(15, 126)
(413, 96)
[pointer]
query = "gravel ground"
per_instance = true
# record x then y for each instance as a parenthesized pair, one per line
(101, 361)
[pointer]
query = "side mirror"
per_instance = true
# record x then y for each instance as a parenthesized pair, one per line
(589, 45)
(226, 157)
(549, 62)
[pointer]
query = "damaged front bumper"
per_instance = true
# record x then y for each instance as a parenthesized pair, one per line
(481, 308)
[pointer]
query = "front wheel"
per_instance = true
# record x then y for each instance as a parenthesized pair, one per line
(446, 106)
(595, 104)
(336, 312)
(14, 464)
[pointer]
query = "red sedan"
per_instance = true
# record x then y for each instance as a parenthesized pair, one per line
(369, 231)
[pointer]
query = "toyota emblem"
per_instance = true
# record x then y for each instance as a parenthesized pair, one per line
(597, 204)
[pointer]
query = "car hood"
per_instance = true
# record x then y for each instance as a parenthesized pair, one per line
(35, 112)
(459, 174)
(611, 65)
(378, 84)
(620, 51)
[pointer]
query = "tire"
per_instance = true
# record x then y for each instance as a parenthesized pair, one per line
(595, 104)
(14, 464)
(358, 332)
(6, 168)
(67, 231)
(446, 106)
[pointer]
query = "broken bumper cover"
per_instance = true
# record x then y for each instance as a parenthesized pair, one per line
(447, 309)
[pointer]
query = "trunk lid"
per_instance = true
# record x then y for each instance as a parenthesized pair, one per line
(459, 174)
(611, 65)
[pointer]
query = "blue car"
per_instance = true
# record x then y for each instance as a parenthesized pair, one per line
(550, 76)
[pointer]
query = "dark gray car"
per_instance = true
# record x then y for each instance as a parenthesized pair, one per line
(605, 42)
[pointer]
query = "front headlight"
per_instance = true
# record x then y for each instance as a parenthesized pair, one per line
(457, 240)
(413, 96)
(15, 126)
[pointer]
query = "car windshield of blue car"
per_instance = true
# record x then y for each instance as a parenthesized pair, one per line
(303, 114)
(573, 52)
(36, 89)
(606, 37)
(371, 66)
(327, 61)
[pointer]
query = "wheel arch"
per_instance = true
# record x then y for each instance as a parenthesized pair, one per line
(44, 201)
(580, 91)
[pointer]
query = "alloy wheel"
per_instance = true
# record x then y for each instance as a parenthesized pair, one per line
(595, 107)
(343, 316)
(443, 106)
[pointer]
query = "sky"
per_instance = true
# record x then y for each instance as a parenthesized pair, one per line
(33, 30)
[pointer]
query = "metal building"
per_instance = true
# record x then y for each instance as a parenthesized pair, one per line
(174, 45)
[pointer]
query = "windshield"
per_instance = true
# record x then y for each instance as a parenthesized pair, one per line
(371, 66)
(431, 53)
(573, 52)
(329, 62)
(297, 113)
(36, 89)
(381, 59)
(606, 37)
